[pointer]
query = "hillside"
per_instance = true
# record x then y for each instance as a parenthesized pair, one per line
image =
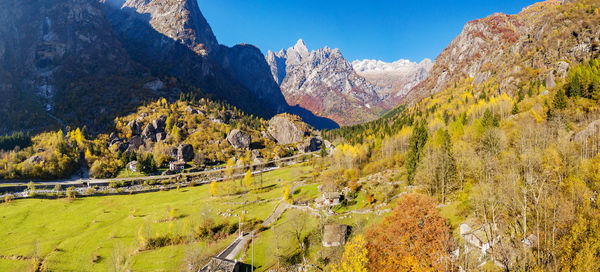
(510, 152)
(508, 51)
(201, 133)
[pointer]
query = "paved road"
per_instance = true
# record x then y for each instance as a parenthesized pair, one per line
(234, 248)
(101, 181)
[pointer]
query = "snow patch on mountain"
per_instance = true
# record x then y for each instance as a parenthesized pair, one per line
(395, 79)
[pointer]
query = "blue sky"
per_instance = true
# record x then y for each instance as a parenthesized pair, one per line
(386, 30)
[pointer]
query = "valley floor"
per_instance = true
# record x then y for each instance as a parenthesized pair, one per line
(90, 234)
(104, 233)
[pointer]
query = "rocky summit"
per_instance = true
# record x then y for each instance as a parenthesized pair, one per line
(393, 79)
(324, 82)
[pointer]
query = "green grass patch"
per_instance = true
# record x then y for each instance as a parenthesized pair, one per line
(87, 234)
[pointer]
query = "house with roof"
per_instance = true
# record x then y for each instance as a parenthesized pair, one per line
(329, 199)
(177, 166)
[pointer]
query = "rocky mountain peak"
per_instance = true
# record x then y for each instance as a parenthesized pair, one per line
(300, 47)
(180, 20)
(323, 82)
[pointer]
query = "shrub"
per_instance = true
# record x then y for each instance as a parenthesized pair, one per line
(90, 191)
(71, 193)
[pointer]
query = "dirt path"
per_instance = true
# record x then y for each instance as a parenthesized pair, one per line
(281, 208)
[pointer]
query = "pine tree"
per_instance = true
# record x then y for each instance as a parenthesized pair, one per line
(575, 86)
(515, 109)
(415, 152)
(446, 172)
(560, 101)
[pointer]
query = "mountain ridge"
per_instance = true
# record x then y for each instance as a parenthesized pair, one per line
(543, 38)
(85, 62)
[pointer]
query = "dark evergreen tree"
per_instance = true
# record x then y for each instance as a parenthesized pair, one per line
(560, 100)
(418, 139)
(515, 109)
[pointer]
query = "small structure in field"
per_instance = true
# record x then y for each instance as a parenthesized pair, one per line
(329, 199)
(334, 235)
(132, 166)
(177, 166)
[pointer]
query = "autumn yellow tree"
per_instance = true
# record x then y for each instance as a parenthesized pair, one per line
(214, 188)
(286, 194)
(354, 258)
(248, 179)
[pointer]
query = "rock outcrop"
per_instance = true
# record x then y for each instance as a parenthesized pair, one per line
(286, 131)
(185, 153)
(310, 145)
(239, 139)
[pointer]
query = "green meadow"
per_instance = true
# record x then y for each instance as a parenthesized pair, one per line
(103, 233)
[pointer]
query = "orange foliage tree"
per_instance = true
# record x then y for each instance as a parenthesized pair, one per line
(413, 238)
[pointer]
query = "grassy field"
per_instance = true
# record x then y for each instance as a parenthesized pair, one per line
(89, 234)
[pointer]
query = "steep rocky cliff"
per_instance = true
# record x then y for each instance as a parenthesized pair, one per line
(51, 51)
(83, 62)
(507, 50)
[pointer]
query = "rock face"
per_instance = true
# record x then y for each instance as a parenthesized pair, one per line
(286, 131)
(85, 62)
(325, 83)
(394, 79)
(185, 153)
(541, 37)
(239, 139)
(51, 50)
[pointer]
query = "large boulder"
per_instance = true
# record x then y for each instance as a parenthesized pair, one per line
(148, 132)
(185, 153)
(550, 82)
(239, 139)
(161, 136)
(159, 124)
(135, 142)
(119, 146)
(286, 131)
(36, 159)
(172, 152)
(136, 127)
(310, 145)
(257, 157)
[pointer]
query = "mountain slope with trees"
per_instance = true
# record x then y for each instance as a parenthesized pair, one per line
(512, 165)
